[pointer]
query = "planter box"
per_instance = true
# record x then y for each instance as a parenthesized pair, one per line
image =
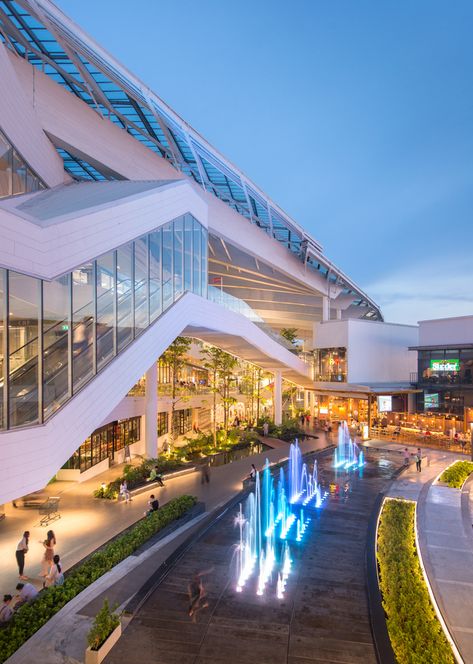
(97, 656)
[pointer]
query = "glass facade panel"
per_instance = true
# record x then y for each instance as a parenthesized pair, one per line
(19, 174)
(15, 176)
(105, 293)
(204, 262)
(83, 328)
(23, 322)
(141, 285)
(6, 156)
(188, 230)
(104, 442)
(163, 426)
(60, 333)
(56, 332)
(155, 278)
(178, 257)
(2, 346)
(196, 270)
(124, 296)
(167, 265)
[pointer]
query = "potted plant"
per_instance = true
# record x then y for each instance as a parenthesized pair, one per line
(105, 632)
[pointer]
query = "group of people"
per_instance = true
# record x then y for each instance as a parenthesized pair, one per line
(51, 571)
(51, 574)
(417, 458)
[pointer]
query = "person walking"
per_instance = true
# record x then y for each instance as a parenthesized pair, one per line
(21, 551)
(205, 473)
(265, 429)
(419, 460)
(197, 594)
(49, 544)
(124, 493)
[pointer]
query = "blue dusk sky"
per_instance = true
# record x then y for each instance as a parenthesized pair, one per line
(355, 116)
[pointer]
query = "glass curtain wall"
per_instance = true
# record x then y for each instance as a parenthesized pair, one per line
(15, 176)
(60, 333)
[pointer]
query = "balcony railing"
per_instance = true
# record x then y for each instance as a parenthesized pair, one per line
(331, 378)
(241, 307)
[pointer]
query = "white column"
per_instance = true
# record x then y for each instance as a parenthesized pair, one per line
(312, 403)
(325, 308)
(306, 399)
(151, 412)
(339, 314)
(277, 397)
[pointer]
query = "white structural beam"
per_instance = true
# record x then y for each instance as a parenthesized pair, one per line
(277, 397)
(20, 123)
(325, 308)
(151, 411)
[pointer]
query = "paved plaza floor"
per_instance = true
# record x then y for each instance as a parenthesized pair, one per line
(87, 522)
(323, 616)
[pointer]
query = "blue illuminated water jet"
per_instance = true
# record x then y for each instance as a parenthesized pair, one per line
(271, 518)
(347, 453)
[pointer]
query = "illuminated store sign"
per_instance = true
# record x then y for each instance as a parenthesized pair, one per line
(445, 365)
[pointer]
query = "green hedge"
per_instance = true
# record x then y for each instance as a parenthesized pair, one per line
(31, 617)
(415, 632)
(457, 474)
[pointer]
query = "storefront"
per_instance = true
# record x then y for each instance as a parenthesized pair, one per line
(103, 445)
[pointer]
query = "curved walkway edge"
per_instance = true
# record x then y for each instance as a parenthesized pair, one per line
(445, 540)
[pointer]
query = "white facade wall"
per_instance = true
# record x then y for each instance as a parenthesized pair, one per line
(47, 252)
(377, 352)
(448, 331)
(20, 122)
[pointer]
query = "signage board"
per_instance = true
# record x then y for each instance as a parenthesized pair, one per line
(445, 365)
(385, 404)
(431, 401)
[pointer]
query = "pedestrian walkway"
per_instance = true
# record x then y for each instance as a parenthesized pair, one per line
(445, 538)
(63, 637)
(87, 522)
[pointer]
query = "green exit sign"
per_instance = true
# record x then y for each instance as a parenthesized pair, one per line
(445, 365)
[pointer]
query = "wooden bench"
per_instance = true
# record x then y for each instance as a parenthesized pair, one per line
(49, 510)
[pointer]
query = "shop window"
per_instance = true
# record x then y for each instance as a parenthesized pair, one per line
(163, 424)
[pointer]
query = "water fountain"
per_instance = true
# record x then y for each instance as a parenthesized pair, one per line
(347, 454)
(272, 518)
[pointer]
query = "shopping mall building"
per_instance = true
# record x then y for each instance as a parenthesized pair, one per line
(120, 229)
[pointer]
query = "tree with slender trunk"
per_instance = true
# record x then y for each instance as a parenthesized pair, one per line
(221, 367)
(174, 357)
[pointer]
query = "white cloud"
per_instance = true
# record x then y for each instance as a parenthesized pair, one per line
(428, 290)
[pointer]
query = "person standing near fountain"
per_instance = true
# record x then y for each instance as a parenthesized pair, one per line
(419, 460)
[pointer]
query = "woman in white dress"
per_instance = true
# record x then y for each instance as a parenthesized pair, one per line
(55, 576)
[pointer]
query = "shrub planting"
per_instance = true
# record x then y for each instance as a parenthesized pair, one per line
(104, 623)
(31, 617)
(415, 632)
(456, 474)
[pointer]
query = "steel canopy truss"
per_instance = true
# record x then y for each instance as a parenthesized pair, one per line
(37, 31)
